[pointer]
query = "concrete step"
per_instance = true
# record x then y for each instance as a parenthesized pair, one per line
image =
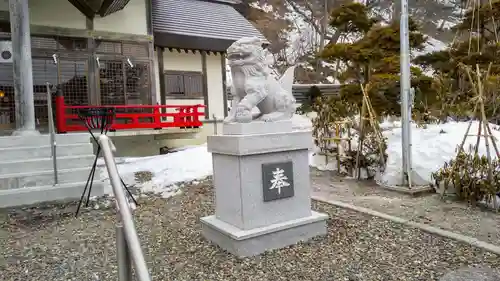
(47, 193)
(31, 179)
(43, 140)
(45, 164)
(30, 152)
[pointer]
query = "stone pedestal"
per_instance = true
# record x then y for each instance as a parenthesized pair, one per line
(262, 188)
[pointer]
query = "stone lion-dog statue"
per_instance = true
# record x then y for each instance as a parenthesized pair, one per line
(254, 86)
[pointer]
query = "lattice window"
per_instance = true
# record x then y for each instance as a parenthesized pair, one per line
(121, 83)
(7, 103)
(184, 84)
(174, 84)
(108, 47)
(138, 85)
(73, 44)
(70, 75)
(111, 82)
(59, 44)
(128, 50)
(74, 82)
(45, 43)
(44, 70)
(118, 83)
(135, 50)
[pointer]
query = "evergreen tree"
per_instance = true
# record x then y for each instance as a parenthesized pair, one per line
(313, 94)
(478, 48)
(372, 58)
(311, 97)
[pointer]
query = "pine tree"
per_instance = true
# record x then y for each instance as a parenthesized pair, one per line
(373, 58)
(478, 47)
(313, 94)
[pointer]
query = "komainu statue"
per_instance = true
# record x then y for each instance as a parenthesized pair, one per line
(253, 86)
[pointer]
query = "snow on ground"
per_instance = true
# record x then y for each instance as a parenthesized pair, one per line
(432, 147)
(169, 171)
(431, 45)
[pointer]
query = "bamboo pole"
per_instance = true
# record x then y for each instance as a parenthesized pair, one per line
(361, 138)
(461, 147)
(378, 134)
(486, 141)
(349, 148)
(366, 108)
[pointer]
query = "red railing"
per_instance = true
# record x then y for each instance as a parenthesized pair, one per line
(187, 116)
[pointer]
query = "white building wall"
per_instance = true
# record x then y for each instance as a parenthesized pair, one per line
(215, 86)
(182, 61)
(54, 13)
(156, 71)
(131, 20)
(61, 13)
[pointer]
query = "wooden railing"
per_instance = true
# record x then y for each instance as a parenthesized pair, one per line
(143, 117)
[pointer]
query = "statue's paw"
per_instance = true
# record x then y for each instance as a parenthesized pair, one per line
(271, 117)
(266, 118)
(229, 119)
(244, 116)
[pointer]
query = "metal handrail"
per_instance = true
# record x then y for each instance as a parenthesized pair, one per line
(52, 133)
(128, 246)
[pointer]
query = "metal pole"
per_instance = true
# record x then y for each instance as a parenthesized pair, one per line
(215, 124)
(53, 144)
(405, 85)
(129, 230)
(123, 256)
(22, 67)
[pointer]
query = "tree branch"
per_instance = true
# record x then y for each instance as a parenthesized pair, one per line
(308, 19)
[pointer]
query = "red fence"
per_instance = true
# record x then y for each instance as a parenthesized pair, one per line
(186, 116)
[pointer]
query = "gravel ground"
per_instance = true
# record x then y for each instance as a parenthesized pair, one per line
(429, 209)
(48, 243)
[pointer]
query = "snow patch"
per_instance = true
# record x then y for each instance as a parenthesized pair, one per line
(168, 171)
(431, 148)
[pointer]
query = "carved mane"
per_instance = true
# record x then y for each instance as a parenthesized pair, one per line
(256, 65)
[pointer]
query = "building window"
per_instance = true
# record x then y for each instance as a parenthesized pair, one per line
(184, 84)
(122, 84)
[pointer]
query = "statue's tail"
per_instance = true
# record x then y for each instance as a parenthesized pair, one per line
(286, 81)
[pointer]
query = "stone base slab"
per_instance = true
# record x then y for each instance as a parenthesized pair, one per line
(243, 145)
(414, 191)
(245, 243)
(39, 194)
(257, 128)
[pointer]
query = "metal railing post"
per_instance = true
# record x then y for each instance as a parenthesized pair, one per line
(52, 133)
(215, 124)
(123, 255)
